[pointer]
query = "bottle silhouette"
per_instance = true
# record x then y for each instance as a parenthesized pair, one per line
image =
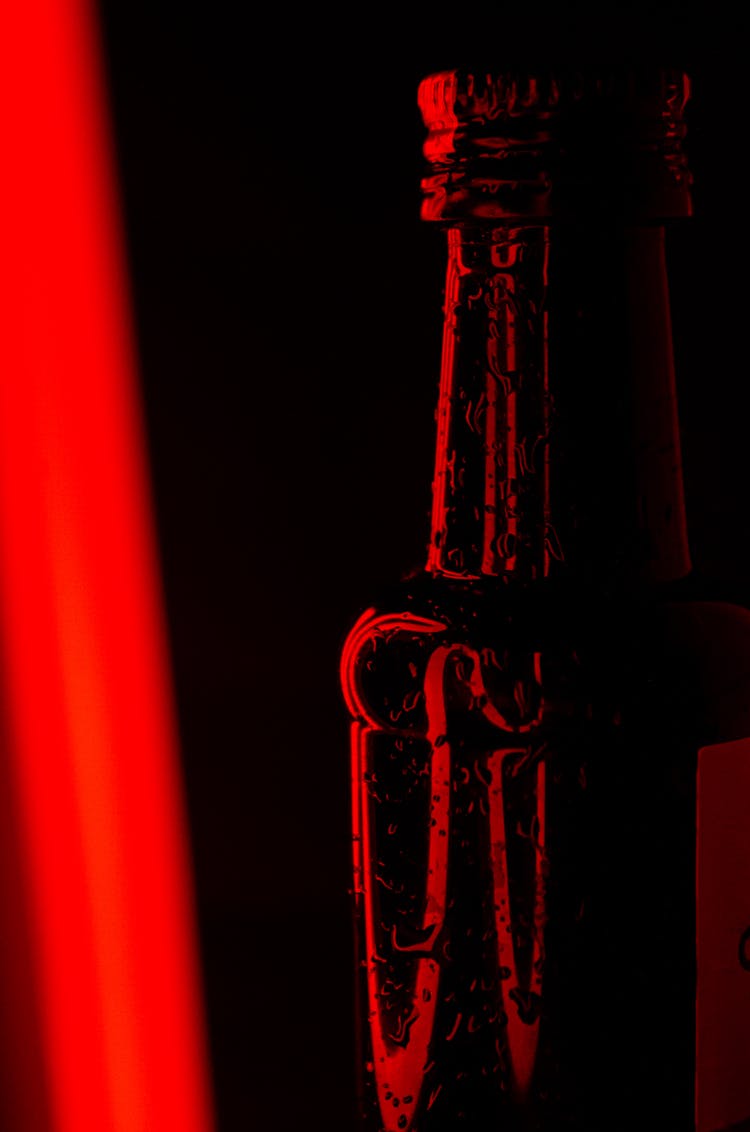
(551, 722)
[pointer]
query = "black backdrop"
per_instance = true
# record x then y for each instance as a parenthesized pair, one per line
(287, 302)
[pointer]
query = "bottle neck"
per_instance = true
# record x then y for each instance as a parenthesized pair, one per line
(558, 447)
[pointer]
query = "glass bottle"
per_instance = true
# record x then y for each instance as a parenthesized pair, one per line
(551, 722)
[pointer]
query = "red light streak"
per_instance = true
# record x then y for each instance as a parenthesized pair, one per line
(447, 380)
(523, 1035)
(92, 746)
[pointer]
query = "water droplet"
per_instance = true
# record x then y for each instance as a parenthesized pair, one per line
(411, 699)
(433, 1096)
(528, 1004)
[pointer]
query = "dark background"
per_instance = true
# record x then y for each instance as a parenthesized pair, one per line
(287, 302)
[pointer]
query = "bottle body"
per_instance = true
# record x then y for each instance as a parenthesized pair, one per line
(525, 788)
(551, 724)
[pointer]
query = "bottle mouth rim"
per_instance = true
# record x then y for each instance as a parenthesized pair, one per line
(472, 96)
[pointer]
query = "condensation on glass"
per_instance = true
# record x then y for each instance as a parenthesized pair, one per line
(527, 711)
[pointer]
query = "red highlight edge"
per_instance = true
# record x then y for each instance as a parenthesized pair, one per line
(105, 1029)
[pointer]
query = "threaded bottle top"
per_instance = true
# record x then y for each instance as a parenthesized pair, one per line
(518, 147)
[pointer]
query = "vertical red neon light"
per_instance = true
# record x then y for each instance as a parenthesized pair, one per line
(88, 737)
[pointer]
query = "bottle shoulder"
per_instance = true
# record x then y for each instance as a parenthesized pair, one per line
(465, 606)
(679, 653)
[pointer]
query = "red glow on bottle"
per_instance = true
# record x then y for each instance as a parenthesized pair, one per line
(399, 1057)
(491, 505)
(91, 736)
(402, 1040)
